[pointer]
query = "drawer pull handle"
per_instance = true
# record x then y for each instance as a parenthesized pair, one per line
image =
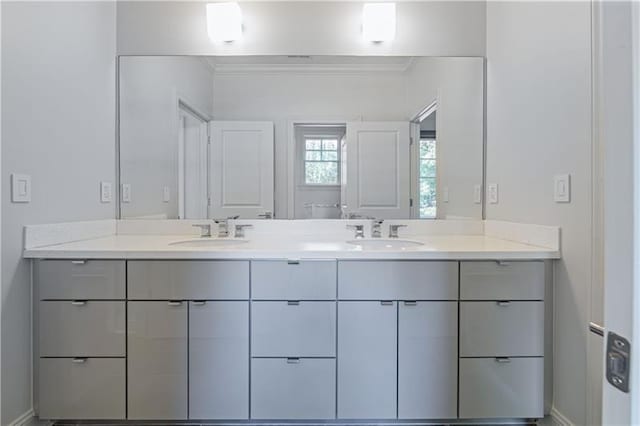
(293, 360)
(293, 261)
(410, 303)
(503, 360)
(79, 360)
(503, 303)
(502, 263)
(78, 262)
(174, 303)
(79, 302)
(293, 302)
(199, 302)
(386, 302)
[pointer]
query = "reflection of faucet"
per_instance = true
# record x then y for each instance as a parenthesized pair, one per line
(205, 229)
(359, 230)
(393, 230)
(376, 228)
(266, 215)
(223, 226)
(240, 230)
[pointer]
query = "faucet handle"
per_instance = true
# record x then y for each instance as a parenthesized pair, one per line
(205, 229)
(234, 217)
(359, 230)
(393, 230)
(239, 232)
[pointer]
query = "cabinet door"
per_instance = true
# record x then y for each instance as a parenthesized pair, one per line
(157, 360)
(428, 360)
(367, 360)
(219, 360)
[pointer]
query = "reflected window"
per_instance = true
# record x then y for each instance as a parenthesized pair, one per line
(321, 161)
(427, 178)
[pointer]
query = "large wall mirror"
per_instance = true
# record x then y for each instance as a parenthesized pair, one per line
(300, 137)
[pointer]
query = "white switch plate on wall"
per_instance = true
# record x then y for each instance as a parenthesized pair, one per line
(562, 188)
(20, 188)
(126, 192)
(106, 192)
(166, 194)
(492, 195)
(477, 194)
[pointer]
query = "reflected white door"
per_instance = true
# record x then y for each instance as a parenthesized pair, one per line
(378, 172)
(192, 165)
(241, 171)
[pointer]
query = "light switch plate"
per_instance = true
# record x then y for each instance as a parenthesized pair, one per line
(477, 194)
(126, 192)
(166, 194)
(562, 188)
(106, 192)
(20, 188)
(445, 194)
(492, 195)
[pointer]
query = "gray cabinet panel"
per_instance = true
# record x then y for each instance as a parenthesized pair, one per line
(502, 280)
(302, 280)
(489, 329)
(304, 329)
(187, 279)
(367, 357)
(511, 388)
(87, 279)
(285, 389)
(157, 360)
(82, 329)
(428, 360)
(87, 389)
(219, 360)
(397, 280)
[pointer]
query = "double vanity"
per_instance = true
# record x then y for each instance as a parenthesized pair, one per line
(304, 326)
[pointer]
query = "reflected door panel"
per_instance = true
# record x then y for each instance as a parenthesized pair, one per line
(242, 168)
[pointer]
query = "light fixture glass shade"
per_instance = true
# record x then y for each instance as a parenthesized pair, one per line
(224, 21)
(379, 21)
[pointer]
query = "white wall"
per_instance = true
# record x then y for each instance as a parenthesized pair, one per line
(458, 86)
(429, 28)
(538, 125)
(58, 112)
(149, 91)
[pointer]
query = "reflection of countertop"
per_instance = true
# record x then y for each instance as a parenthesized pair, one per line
(157, 247)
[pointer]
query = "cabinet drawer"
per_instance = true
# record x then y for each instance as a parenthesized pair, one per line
(185, 279)
(301, 388)
(501, 329)
(91, 388)
(80, 328)
(80, 279)
(293, 329)
(397, 280)
(299, 280)
(502, 280)
(494, 388)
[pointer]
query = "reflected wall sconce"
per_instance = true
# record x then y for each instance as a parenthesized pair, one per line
(379, 22)
(224, 21)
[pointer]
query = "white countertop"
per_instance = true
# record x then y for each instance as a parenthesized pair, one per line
(439, 247)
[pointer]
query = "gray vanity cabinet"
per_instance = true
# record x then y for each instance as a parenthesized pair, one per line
(427, 360)
(367, 360)
(157, 360)
(219, 360)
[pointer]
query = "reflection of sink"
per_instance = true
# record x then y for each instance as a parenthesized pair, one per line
(385, 244)
(208, 242)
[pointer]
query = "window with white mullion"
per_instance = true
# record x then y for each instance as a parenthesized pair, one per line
(321, 160)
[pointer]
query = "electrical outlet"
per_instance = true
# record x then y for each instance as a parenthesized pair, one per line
(126, 192)
(20, 188)
(562, 188)
(477, 194)
(492, 195)
(106, 192)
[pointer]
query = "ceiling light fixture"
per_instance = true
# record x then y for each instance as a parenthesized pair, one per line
(224, 21)
(379, 21)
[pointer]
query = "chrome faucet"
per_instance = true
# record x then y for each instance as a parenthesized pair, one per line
(205, 229)
(239, 232)
(393, 230)
(376, 228)
(223, 226)
(359, 230)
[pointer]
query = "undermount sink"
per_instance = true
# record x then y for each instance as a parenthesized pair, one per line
(385, 244)
(208, 242)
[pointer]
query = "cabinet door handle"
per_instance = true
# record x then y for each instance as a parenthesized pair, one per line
(293, 360)
(79, 302)
(503, 303)
(199, 302)
(174, 303)
(293, 302)
(78, 262)
(79, 360)
(386, 302)
(293, 261)
(410, 303)
(503, 263)
(503, 360)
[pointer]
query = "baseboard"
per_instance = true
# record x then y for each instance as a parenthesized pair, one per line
(24, 419)
(559, 419)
